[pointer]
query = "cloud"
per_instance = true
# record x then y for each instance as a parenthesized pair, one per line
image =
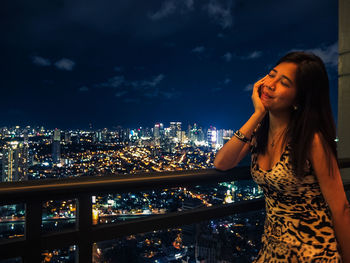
(220, 35)
(216, 89)
(120, 93)
(249, 87)
(167, 8)
(171, 94)
(189, 4)
(40, 61)
(118, 69)
(65, 64)
(254, 55)
(131, 100)
(113, 82)
(227, 81)
(147, 88)
(170, 7)
(227, 57)
(83, 89)
(199, 49)
(329, 54)
(152, 93)
(154, 82)
(222, 15)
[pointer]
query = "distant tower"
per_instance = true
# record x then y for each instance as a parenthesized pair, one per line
(178, 126)
(14, 162)
(211, 136)
(220, 136)
(56, 146)
(67, 137)
(25, 136)
(172, 129)
(156, 132)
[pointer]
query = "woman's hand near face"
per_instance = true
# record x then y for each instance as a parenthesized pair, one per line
(258, 106)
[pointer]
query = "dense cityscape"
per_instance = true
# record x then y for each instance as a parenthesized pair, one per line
(36, 153)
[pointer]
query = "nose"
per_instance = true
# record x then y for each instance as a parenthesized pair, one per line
(271, 84)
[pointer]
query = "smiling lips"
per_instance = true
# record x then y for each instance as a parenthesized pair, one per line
(265, 95)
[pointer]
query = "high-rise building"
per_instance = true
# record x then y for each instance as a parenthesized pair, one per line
(178, 126)
(14, 162)
(220, 136)
(172, 129)
(211, 136)
(67, 137)
(97, 136)
(25, 136)
(56, 146)
(156, 131)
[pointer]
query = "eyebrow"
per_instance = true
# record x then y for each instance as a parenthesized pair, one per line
(284, 76)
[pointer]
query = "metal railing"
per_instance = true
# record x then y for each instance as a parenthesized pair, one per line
(34, 193)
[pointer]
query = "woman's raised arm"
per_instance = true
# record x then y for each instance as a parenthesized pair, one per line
(235, 149)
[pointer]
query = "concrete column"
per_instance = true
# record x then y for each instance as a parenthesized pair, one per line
(344, 84)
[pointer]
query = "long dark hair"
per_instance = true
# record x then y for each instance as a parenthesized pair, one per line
(313, 114)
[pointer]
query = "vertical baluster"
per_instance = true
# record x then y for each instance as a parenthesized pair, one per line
(33, 231)
(84, 224)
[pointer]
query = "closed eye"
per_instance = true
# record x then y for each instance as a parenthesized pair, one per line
(271, 75)
(284, 84)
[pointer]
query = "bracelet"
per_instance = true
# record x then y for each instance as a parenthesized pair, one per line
(241, 137)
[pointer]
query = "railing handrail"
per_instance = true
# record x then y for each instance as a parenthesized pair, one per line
(71, 187)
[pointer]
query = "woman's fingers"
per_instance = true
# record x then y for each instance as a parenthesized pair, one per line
(257, 85)
(255, 96)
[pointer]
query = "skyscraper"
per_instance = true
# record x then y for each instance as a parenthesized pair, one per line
(14, 162)
(211, 136)
(173, 129)
(56, 146)
(156, 132)
(67, 137)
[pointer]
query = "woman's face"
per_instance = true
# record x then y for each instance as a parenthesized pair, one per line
(279, 91)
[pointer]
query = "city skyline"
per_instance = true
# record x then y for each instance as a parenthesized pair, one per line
(72, 64)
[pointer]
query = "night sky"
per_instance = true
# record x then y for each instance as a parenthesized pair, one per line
(68, 63)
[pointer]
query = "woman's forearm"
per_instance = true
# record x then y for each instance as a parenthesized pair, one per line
(341, 224)
(228, 156)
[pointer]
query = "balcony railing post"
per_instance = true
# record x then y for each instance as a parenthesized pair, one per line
(84, 225)
(33, 231)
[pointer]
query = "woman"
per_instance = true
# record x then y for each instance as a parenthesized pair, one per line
(291, 136)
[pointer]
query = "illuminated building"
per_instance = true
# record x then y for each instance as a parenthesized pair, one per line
(156, 132)
(25, 136)
(14, 162)
(67, 138)
(56, 146)
(211, 136)
(173, 129)
(98, 136)
(220, 135)
(178, 126)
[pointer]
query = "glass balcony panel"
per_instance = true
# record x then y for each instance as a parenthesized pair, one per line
(58, 215)
(112, 208)
(11, 260)
(12, 219)
(231, 239)
(66, 255)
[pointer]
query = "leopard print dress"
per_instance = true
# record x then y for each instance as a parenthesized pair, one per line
(298, 225)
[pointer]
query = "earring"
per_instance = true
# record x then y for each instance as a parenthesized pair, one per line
(295, 107)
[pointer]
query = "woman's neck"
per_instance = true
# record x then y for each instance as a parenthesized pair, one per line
(278, 121)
